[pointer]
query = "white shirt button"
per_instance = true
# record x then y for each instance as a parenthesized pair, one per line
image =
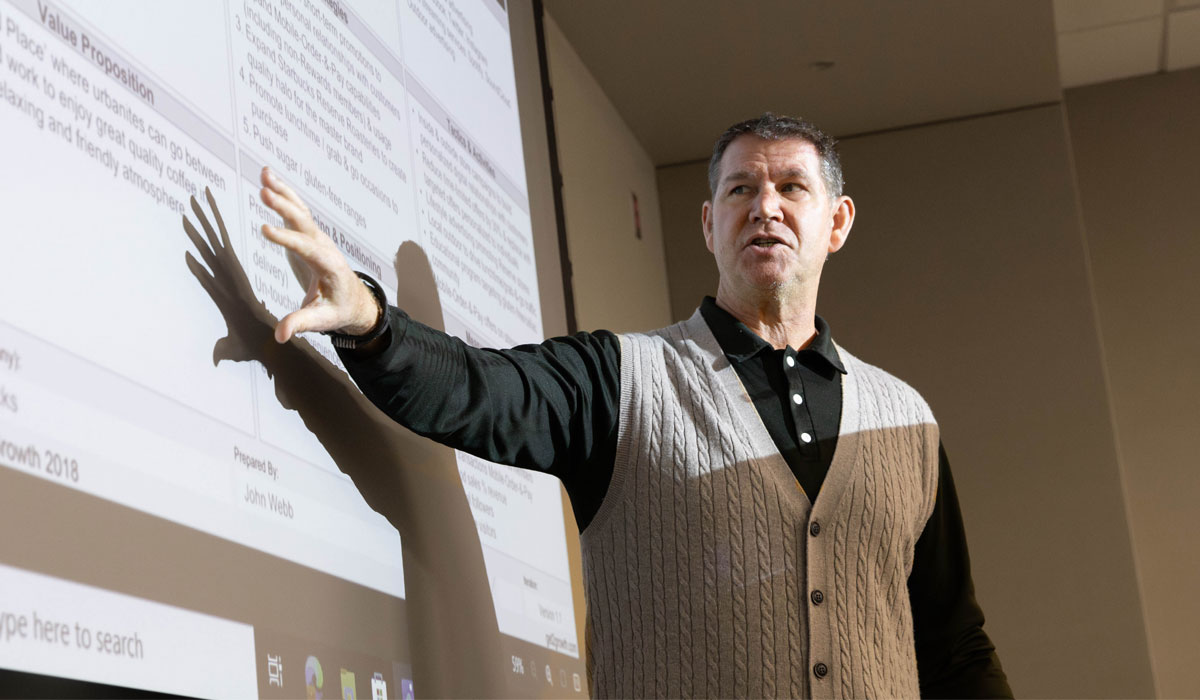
(797, 399)
(791, 361)
(806, 437)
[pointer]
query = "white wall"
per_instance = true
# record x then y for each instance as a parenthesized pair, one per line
(619, 280)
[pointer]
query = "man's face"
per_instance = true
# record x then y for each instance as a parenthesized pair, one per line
(771, 222)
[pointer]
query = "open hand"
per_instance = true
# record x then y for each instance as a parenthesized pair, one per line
(335, 299)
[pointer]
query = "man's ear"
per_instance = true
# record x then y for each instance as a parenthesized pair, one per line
(843, 219)
(706, 224)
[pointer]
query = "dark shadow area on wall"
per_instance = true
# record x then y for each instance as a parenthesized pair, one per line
(411, 481)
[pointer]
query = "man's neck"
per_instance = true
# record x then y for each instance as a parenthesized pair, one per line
(780, 322)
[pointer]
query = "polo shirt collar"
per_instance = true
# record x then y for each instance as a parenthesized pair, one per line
(740, 343)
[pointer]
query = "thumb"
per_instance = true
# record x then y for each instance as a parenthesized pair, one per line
(228, 348)
(286, 328)
(306, 318)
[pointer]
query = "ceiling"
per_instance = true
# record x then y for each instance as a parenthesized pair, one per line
(680, 71)
(1101, 40)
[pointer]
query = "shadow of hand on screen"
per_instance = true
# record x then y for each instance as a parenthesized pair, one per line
(455, 644)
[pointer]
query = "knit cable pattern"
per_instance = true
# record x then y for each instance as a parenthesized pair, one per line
(698, 561)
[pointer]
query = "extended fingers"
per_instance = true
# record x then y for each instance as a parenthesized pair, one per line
(212, 203)
(297, 242)
(295, 215)
(208, 229)
(203, 277)
(201, 246)
(309, 257)
(272, 181)
(275, 189)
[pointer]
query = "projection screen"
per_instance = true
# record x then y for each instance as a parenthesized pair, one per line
(172, 521)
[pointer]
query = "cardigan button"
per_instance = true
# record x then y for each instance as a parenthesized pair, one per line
(814, 529)
(817, 597)
(820, 670)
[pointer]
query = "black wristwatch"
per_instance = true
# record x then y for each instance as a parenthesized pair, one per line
(344, 341)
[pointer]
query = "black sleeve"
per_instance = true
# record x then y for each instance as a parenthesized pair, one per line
(955, 658)
(552, 407)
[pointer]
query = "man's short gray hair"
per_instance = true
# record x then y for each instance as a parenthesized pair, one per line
(781, 128)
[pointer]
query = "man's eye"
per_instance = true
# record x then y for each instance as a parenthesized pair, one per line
(790, 187)
(740, 189)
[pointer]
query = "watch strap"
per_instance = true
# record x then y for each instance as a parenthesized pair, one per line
(344, 341)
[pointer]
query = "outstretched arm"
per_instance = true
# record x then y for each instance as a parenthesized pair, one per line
(549, 407)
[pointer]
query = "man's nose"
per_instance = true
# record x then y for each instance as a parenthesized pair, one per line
(766, 207)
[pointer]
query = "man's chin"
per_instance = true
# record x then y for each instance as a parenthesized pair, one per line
(764, 288)
(770, 280)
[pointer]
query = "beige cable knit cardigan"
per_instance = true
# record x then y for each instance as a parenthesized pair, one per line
(703, 564)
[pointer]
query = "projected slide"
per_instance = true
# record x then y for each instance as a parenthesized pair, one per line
(168, 502)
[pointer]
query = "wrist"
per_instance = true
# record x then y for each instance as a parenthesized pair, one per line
(369, 310)
(373, 306)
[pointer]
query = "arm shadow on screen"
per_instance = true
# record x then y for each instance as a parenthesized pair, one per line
(413, 482)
